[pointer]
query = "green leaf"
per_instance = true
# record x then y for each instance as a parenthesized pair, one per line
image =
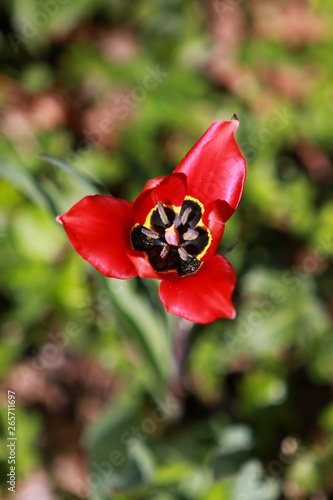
(87, 184)
(145, 324)
(28, 185)
(119, 456)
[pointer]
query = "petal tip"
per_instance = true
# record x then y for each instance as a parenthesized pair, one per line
(233, 314)
(234, 122)
(58, 219)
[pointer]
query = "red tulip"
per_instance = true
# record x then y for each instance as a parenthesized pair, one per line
(172, 230)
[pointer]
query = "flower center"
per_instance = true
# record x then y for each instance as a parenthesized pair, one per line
(173, 238)
(171, 235)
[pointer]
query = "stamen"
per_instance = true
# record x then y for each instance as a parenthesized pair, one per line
(185, 215)
(176, 222)
(190, 235)
(182, 253)
(150, 233)
(162, 212)
(164, 252)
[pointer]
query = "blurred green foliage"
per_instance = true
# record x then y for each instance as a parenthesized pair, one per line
(117, 92)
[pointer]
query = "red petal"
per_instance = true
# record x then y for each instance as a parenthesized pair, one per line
(215, 168)
(145, 269)
(212, 219)
(142, 266)
(98, 227)
(202, 297)
(153, 183)
(169, 190)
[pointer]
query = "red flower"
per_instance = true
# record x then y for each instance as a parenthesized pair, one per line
(172, 230)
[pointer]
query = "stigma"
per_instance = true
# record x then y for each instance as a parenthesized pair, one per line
(172, 236)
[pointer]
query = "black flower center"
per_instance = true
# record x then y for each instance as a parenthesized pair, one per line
(173, 238)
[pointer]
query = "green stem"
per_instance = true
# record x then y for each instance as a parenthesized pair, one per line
(181, 351)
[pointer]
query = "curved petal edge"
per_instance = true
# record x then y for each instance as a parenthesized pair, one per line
(202, 297)
(215, 168)
(98, 228)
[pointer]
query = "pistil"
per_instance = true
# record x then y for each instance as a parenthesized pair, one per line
(171, 235)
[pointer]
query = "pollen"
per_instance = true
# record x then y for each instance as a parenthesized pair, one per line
(183, 254)
(186, 215)
(162, 212)
(150, 233)
(164, 252)
(190, 235)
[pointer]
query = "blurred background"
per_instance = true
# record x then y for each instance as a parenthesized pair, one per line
(119, 91)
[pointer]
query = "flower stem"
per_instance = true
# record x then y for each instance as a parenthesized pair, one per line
(181, 351)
